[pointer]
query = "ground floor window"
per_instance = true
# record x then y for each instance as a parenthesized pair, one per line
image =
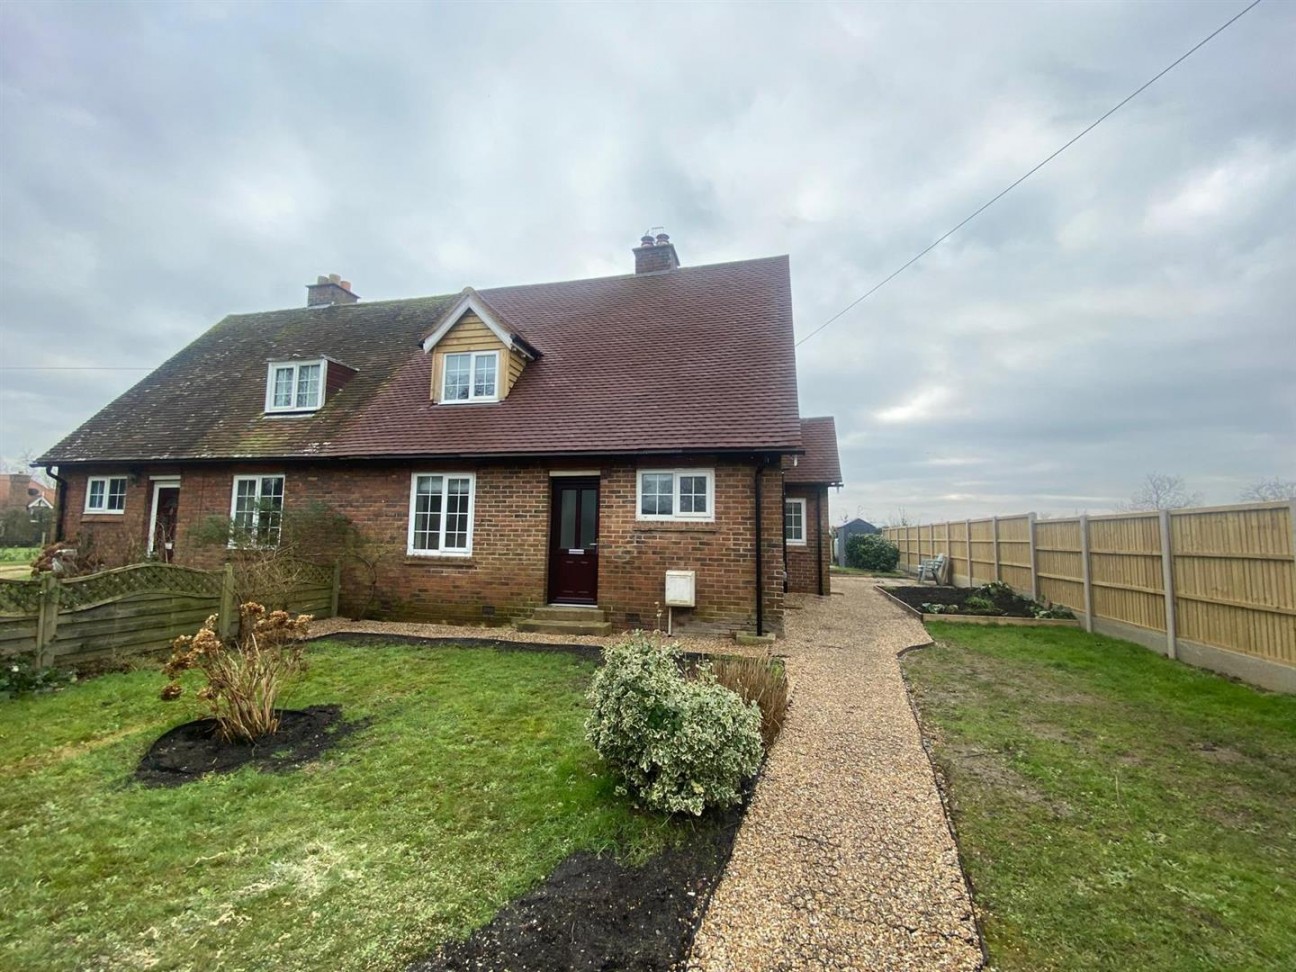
(106, 494)
(257, 510)
(441, 514)
(794, 521)
(676, 494)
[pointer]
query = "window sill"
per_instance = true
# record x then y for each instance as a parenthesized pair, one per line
(675, 526)
(102, 516)
(439, 560)
(797, 543)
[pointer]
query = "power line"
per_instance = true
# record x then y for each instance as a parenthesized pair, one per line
(1102, 118)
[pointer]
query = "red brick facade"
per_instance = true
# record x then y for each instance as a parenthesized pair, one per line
(808, 562)
(507, 574)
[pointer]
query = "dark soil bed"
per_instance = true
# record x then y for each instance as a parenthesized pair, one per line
(1010, 605)
(191, 751)
(594, 914)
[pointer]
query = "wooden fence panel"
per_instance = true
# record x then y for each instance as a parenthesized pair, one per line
(1231, 574)
(1059, 567)
(131, 609)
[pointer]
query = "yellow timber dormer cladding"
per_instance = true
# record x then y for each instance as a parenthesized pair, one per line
(477, 356)
(470, 333)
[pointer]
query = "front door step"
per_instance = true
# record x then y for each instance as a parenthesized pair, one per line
(567, 619)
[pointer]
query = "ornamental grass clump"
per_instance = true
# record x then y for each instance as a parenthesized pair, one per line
(680, 745)
(759, 680)
(245, 675)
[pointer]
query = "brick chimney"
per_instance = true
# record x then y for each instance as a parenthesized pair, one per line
(329, 290)
(655, 255)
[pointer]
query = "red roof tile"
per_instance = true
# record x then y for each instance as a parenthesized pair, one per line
(820, 464)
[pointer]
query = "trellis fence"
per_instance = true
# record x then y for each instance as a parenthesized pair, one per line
(143, 607)
(1213, 586)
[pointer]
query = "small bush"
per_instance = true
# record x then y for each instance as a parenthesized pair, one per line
(759, 680)
(680, 745)
(871, 551)
(245, 675)
(976, 604)
(1051, 611)
(21, 677)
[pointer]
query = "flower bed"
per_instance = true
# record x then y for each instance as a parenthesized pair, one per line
(995, 603)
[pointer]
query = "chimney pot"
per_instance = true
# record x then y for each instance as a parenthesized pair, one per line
(330, 290)
(655, 255)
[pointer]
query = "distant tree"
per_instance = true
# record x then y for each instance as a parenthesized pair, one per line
(900, 518)
(1269, 490)
(1161, 491)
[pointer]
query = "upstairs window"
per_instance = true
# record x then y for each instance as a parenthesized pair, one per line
(794, 521)
(295, 386)
(106, 494)
(441, 514)
(676, 494)
(257, 510)
(470, 376)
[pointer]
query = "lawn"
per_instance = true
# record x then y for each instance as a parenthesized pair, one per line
(472, 781)
(15, 562)
(1114, 810)
(858, 572)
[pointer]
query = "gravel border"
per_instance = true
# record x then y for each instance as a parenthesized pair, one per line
(846, 859)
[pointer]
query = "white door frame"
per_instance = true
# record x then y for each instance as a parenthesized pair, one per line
(159, 483)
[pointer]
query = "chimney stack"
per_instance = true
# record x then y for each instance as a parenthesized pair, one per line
(655, 255)
(329, 290)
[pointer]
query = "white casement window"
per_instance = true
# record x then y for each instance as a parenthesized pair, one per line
(106, 494)
(676, 494)
(794, 522)
(257, 510)
(295, 386)
(441, 514)
(471, 376)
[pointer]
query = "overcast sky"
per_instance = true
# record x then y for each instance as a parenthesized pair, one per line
(1130, 308)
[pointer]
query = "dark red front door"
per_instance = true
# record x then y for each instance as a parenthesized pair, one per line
(573, 541)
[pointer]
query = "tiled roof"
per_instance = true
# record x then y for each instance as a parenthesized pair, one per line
(820, 463)
(697, 358)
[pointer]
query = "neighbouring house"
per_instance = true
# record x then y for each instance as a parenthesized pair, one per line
(25, 509)
(514, 448)
(844, 532)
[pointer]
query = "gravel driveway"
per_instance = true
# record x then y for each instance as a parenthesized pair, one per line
(844, 860)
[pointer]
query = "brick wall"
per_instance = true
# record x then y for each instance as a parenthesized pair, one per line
(507, 574)
(803, 573)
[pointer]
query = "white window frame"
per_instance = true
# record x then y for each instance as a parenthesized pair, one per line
(296, 366)
(257, 478)
(797, 501)
(442, 551)
(472, 378)
(676, 515)
(107, 490)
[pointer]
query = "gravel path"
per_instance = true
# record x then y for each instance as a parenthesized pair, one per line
(844, 860)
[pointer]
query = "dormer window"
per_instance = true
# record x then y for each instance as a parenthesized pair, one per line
(295, 386)
(471, 376)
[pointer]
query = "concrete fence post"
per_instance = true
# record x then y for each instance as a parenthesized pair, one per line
(994, 538)
(1084, 572)
(1167, 581)
(336, 592)
(967, 536)
(1034, 564)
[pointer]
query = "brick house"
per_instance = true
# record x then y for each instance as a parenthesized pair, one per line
(513, 448)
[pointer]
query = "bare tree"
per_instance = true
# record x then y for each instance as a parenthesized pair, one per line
(1269, 490)
(1161, 491)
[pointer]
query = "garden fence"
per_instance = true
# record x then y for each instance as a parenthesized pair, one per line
(143, 607)
(1212, 586)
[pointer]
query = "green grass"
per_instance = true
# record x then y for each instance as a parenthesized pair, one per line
(1115, 810)
(472, 782)
(858, 572)
(18, 555)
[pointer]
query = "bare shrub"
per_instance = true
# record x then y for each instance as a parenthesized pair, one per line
(245, 675)
(759, 680)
